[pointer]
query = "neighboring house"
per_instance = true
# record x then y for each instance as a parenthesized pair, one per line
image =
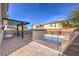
(54, 24)
(38, 26)
(51, 25)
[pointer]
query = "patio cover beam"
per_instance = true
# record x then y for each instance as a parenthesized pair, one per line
(14, 22)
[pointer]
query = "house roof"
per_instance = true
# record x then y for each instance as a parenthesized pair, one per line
(13, 22)
(56, 21)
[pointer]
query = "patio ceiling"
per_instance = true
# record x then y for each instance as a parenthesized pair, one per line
(7, 21)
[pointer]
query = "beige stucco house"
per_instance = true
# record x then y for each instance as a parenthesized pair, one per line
(54, 24)
(51, 25)
(38, 26)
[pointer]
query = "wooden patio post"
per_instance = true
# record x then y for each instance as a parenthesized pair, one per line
(22, 31)
(17, 31)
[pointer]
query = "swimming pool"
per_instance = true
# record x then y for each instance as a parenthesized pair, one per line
(54, 39)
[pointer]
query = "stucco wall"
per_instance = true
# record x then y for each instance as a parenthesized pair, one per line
(3, 12)
(1, 32)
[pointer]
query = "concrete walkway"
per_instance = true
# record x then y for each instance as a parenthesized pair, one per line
(34, 49)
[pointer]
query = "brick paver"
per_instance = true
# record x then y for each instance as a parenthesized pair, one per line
(35, 49)
(12, 44)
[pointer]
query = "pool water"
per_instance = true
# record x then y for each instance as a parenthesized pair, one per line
(54, 39)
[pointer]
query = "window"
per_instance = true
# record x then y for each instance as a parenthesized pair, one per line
(54, 25)
(51, 25)
(37, 27)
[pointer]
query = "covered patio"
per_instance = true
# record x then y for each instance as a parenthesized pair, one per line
(6, 21)
(10, 45)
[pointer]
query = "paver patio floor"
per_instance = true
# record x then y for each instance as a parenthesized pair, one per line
(34, 49)
(12, 44)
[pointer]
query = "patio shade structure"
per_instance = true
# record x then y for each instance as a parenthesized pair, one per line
(17, 23)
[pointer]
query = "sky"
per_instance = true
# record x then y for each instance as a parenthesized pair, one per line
(40, 13)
